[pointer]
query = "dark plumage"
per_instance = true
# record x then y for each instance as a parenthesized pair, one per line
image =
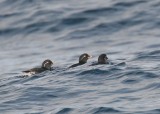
(46, 65)
(82, 60)
(102, 59)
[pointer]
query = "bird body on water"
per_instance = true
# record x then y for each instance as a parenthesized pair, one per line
(46, 65)
(82, 60)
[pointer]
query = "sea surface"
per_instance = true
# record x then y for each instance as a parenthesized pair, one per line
(128, 31)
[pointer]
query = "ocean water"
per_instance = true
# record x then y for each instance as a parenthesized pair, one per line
(128, 31)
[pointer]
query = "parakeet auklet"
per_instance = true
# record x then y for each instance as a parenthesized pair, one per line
(82, 60)
(102, 59)
(46, 65)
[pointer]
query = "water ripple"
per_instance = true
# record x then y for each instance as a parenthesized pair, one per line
(127, 31)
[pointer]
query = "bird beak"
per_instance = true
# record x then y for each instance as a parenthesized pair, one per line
(106, 58)
(89, 56)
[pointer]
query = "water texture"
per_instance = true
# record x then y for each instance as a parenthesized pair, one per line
(128, 31)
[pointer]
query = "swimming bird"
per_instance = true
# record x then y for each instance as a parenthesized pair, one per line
(102, 59)
(82, 60)
(46, 65)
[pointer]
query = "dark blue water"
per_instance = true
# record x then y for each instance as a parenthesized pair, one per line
(128, 31)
